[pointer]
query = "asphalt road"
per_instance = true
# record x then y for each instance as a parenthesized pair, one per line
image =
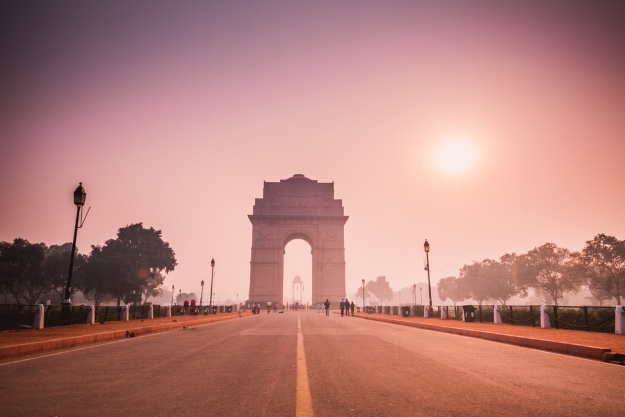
(250, 367)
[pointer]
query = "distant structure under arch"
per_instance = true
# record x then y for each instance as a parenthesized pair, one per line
(297, 289)
(297, 208)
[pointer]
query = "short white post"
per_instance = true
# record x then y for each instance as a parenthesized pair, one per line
(38, 321)
(91, 315)
(426, 313)
(125, 314)
(151, 312)
(411, 311)
(496, 315)
(168, 314)
(443, 314)
(544, 318)
(619, 320)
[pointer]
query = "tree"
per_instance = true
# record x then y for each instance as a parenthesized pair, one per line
(500, 281)
(358, 293)
(56, 264)
(546, 268)
(380, 288)
(108, 271)
(22, 270)
(152, 286)
(602, 261)
(600, 295)
(476, 282)
(452, 288)
(130, 266)
(183, 296)
(148, 254)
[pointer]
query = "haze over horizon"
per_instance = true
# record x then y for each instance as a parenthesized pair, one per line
(485, 127)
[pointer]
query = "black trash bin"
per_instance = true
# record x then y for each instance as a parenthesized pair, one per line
(405, 311)
(229, 309)
(469, 313)
(214, 309)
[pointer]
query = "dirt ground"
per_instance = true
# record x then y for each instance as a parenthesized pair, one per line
(604, 340)
(11, 338)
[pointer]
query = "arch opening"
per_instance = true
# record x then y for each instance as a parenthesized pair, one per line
(297, 263)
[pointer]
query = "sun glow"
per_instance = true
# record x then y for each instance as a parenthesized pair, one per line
(455, 156)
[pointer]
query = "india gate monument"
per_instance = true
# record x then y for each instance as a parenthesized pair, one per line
(298, 208)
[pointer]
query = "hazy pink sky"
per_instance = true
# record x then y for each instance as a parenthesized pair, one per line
(174, 113)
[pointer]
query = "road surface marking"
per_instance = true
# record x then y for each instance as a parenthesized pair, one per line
(303, 406)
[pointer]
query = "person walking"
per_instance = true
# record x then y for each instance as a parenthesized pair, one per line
(352, 306)
(327, 306)
(342, 306)
(318, 307)
(346, 307)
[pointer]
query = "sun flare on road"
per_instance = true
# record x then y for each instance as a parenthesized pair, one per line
(455, 156)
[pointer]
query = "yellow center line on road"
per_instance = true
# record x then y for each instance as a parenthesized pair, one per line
(303, 405)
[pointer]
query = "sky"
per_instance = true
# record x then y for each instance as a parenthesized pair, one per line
(174, 113)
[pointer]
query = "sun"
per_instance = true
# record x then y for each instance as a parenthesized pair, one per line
(455, 156)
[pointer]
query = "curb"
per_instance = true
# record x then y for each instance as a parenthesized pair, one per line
(69, 342)
(559, 347)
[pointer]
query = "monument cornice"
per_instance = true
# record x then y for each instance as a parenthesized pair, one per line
(297, 217)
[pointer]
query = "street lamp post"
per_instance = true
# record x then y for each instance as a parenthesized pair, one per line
(172, 294)
(426, 247)
(202, 292)
(212, 275)
(79, 200)
(414, 293)
(363, 295)
(421, 292)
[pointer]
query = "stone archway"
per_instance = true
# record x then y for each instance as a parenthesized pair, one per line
(298, 208)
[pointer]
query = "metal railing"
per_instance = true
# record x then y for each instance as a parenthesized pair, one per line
(520, 315)
(58, 315)
(138, 312)
(594, 319)
(108, 313)
(160, 311)
(16, 316)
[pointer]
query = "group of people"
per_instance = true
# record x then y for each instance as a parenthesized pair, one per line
(345, 305)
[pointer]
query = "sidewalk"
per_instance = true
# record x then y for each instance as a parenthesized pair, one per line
(25, 342)
(573, 342)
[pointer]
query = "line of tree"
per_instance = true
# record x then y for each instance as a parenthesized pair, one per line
(129, 268)
(549, 270)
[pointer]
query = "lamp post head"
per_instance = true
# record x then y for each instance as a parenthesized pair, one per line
(426, 246)
(202, 283)
(80, 196)
(172, 287)
(414, 286)
(363, 282)
(213, 263)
